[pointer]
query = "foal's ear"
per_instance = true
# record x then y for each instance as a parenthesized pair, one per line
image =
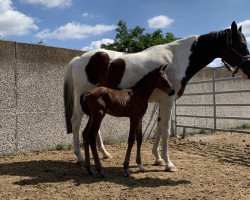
(234, 27)
(163, 67)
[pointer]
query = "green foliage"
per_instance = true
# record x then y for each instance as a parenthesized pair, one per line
(134, 40)
(243, 126)
(61, 147)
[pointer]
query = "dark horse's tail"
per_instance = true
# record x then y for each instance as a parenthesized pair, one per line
(83, 103)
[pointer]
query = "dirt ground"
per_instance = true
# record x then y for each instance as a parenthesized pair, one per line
(213, 166)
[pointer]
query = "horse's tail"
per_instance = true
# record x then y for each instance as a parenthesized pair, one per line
(84, 105)
(69, 95)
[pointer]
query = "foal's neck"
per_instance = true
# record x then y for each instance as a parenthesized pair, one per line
(145, 86)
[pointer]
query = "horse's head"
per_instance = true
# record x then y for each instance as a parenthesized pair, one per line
(236, 53)
(163, 82)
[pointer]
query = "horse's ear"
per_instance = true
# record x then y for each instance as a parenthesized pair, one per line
(240, 29)
(234, 27)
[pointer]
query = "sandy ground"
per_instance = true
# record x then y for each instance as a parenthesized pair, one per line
(209, 167)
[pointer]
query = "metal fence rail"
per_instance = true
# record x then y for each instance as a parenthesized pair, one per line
(214, 105)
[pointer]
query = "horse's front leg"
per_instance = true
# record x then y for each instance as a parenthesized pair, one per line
(165, 125)
(139, 142)
(76, 122)
(156, 145)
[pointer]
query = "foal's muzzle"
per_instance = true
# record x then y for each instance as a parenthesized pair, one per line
(171, 93)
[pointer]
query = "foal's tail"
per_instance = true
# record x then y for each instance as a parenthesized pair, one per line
(84, 105)
(69, 96)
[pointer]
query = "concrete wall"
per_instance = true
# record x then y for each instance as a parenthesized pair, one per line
(31, 99)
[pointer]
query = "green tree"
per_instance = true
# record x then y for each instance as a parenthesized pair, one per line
(134, 40)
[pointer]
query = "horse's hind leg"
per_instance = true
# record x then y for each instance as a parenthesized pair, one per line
(101, 147)
(139, 142)
(76, 122)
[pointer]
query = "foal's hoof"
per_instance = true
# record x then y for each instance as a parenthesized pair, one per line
(80, 164)
(159, 162)
(89, 169)
(100, 171)
(170, 168)
(127, 173)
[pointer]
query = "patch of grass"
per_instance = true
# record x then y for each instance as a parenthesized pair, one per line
(8, 155)
(38, 151)
(63, 147)
(243, 126)
(113, 140)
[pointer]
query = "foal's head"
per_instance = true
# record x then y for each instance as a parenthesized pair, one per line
(161, 81)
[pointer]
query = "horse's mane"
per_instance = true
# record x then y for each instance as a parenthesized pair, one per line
(212, 38)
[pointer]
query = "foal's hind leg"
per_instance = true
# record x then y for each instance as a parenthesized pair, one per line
(93, 131)
(85, 134)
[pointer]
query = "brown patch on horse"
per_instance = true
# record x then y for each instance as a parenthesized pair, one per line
(97, 67)
(115, 72)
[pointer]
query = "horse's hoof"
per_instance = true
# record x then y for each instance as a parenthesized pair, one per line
(170, 168)
(141, 168)
(107, 156)
(159, 162)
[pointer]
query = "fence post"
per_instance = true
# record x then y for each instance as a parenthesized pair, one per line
(175, 119)
(214, 100)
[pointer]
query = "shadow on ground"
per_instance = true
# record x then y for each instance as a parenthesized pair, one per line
(50, 171)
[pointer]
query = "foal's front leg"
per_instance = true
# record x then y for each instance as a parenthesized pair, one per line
(131, 141)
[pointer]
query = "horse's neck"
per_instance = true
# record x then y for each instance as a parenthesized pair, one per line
(202, 52)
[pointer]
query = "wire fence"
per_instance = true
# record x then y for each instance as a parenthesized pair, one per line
(179, 117)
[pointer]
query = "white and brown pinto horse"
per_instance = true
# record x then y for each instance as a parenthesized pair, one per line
(184, 57)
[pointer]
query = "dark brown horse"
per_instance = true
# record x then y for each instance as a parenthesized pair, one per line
(130, 103)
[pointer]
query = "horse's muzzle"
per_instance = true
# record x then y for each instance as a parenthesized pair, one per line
(171, 93)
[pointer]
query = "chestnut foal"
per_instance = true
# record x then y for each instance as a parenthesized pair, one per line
(130, 103)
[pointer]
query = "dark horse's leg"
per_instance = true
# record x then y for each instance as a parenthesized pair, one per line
(95, 124)
(85, 134)
(139, 142)
(131, 141)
